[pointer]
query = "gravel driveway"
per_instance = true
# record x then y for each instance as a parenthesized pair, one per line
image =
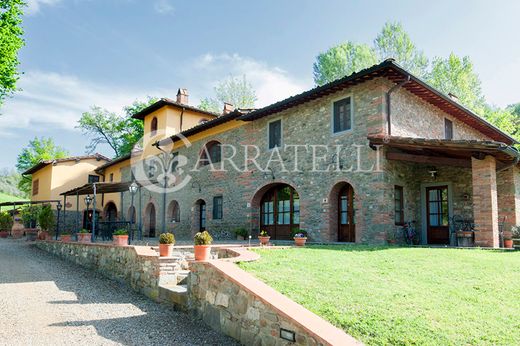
(46, 301)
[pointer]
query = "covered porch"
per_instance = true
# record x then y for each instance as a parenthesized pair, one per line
(452, 186)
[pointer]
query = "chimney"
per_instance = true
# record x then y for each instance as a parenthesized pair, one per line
(228, 108)
(182, 96)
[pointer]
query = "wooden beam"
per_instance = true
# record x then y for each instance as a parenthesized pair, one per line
(433, 160)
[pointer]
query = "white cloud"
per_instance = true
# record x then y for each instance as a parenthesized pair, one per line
(33, 6)
(53, 100)
(163, 6)
(271, 84)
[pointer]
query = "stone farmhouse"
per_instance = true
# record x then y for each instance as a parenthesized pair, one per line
(350, 161)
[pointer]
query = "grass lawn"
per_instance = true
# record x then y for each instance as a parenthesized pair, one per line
(7, 198)
(403, 296)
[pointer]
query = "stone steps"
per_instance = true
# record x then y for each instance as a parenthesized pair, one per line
(174, 294)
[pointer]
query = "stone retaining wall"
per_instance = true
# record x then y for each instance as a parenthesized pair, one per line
(138, 266)
(235, 303)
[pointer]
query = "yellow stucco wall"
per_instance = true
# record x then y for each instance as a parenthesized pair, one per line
(64, 176)
(116, 171)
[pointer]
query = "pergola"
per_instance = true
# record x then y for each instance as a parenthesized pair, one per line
(101, 188)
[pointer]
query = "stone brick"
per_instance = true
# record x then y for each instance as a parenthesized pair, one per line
(485, 203)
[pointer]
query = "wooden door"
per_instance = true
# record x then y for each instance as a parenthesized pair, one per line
(202, 216)
(346, 221)
(280, 212)
(151, 229)
(437, 215)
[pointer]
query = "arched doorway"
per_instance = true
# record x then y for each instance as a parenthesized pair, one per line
(149, 221)
(110, 212)
(346, 223)
(280, 211)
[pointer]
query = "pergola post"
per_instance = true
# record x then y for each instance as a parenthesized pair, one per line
(485, 203)
(77, 213)
(508, 191)
(93, 238)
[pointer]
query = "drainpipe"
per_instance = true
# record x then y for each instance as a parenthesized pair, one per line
(392, 89)
(511, 152)
(182, 117)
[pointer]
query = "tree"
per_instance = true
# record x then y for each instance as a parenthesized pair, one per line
(394, 42)
(39, 149)
(10, 42)
(505, 119)
(234, 90)
(342, 60)
(120, 132)
(456, 75)
(9, 180)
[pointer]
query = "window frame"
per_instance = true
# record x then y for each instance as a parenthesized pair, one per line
(446, 122)
(399, 208)
(206, 161)
(334, 101)
(269, 133)
(35, 183)
(175, 213)
(92, 181)
(154, 124)
(218, 208)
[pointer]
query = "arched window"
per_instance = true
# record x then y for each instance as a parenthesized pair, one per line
(280, 211)
(153, 126)
(174, 212)
(211, 153)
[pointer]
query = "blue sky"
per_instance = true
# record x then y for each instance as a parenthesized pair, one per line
(110, 52)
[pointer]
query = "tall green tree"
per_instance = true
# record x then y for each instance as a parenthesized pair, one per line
(11, 41)
(119, 132)
(38, 149)
(456, 75)
(342, 60)
(394, 42)
(234, 90)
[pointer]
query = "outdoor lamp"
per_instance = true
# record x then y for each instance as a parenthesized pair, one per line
(58, 206)
(133, 188)
(88, 199)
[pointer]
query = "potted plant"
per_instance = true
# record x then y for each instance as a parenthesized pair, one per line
(241, 233)
(47, 221)
(166, 242)
(508, 241)
(6, 223)
(264, 237)
(84, 236)
(202, 247)
(66, 237)
(515, 234)
(299, 236)
(29, 215)
(120, 237)
(17, 230)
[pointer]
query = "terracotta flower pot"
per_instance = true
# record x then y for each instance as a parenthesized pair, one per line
(84, 237)
(67, 238)
(17, 233)
(165, 250)
(300, 241)
(508, 243)
(43, 235)
(4, 234)
(120, 240)
(391, 241)
(202, 252)
(264, 240)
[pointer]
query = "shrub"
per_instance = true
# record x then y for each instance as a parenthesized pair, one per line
(167, 238)
(203, 238)
(29, 215)
(263, 233)
(120, 232)
(6, 221)
(242, 232)
(46, 218)
(515, 232)
(84, 231)
(298, 233)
